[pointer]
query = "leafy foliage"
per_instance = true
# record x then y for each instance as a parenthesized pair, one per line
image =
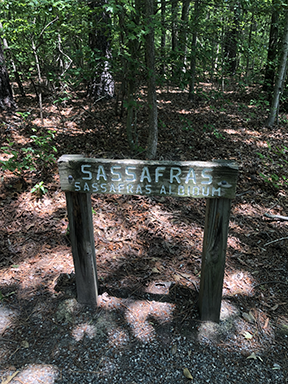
(275, 166)
(39, 189)
(39, 154)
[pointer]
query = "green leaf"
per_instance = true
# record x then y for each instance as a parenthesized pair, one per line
(247, 335)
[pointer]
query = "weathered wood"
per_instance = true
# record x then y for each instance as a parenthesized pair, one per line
(215, 181)
(196, 179)
(213, 258)
(83, 248)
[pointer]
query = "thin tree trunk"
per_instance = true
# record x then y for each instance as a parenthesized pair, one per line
(131, 122)
(272, 51)
(16, 74)
(280, 77)
(130, 73)
(174, 4)
(6, 96)
(183, 34)
(152, 101)
(249, 45)
(163, 36)
(193, 52)
(231, 42)
(40, 80)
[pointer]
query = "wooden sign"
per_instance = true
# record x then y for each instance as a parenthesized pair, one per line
(214, 181)
(197, 179)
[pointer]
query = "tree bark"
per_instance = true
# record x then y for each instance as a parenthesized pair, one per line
(280, 77)
(102, 84)
(249, 45)
(163, 37)
(183, 34)
(174, 30)
(272, 51)
(152, 101)
(6, 96)
(193, 52)
(231, 42)
(16, 74)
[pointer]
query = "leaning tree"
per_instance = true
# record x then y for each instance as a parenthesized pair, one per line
(6, 96)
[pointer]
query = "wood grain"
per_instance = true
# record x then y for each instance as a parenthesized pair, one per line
(83, 248)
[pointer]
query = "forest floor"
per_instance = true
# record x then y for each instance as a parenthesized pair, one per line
(148, 249)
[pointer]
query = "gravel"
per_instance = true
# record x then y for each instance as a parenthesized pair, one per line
(60, 341)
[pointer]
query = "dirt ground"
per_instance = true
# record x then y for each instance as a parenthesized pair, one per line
(148, 249)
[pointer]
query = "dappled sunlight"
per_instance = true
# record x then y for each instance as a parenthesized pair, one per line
(235, 243)
(161, 101)
(231, 131)
(238, 283)
(32, 374)
(82, 330)
(141, 316)
(147, 249)
(35, 272)
(249, 333)
(7, 317)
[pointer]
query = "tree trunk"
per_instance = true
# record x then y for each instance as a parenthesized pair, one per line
(6, 96)
(39, 79)
(249, 46)
(280, 77)
(102, 84)
(183, 34)
(193, 52)
(272, 52)
(16, 74)
(129, 43)
(231, 42)
(174, 39)
(163, 37)
(174, 4)
(152, 101)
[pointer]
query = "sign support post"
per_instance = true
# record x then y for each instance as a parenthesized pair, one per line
(213, 258)
(83, 247)
(215, 181)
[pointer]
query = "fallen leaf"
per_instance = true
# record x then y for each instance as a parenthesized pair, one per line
(274, 307)
(174, 349)
(186, 275)
(177, 277)
(9, 378)
(266, 323)
(252, 356)
(155, 270)
(248, 317)
(251, 315)
(276, 366)
(25, 344)
(187, 373)
(247, 335)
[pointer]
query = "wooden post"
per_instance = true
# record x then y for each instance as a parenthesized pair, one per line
(213, 258)
(83, 248)
(215, 181)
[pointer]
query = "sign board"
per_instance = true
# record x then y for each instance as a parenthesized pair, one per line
(214, 181)
(196, 179)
